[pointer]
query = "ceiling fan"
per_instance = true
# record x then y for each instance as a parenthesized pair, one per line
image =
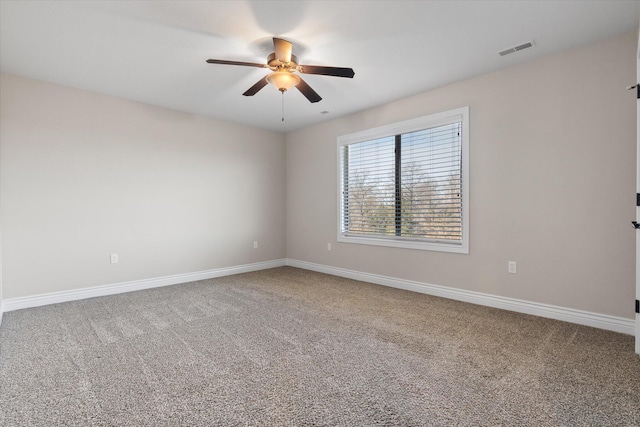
(283, 65)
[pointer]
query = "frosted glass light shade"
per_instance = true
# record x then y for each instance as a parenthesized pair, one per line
(283, 80)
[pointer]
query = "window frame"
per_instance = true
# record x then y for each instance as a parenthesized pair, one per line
(433, 120)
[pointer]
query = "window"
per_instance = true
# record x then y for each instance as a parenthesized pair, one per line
(407, 184)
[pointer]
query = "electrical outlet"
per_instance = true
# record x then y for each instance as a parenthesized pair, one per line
(114, 258)
(328, 246)
(513, 267)
(255, 244)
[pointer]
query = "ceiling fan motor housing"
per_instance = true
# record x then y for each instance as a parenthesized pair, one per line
(274, 63)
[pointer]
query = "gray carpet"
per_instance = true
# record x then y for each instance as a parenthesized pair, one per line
(288, 347)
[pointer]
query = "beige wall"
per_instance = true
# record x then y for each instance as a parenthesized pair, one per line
(552, 181)
(552, 169)
(85, 175)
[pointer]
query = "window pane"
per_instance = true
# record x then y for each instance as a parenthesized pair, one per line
(370, 187)
(430, 164)
(430, 185)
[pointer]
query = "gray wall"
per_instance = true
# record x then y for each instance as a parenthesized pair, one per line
(85, 175)
(553, 150)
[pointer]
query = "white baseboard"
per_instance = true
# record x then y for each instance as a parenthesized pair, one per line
(136, 285)
(596, 320)
(602, 321)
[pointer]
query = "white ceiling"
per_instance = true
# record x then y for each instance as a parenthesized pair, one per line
(155, 51)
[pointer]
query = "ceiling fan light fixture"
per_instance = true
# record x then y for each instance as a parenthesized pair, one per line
(283, 80)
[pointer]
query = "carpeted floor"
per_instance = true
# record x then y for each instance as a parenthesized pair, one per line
(288, 347)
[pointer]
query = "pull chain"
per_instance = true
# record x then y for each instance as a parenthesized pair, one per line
(283, 107)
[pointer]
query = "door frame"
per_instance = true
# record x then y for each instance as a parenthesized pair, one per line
(638, 192)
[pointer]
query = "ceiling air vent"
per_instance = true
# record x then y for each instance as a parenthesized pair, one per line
(516, 48)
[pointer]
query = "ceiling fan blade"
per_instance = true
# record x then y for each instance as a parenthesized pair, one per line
(256, 87)
(327, 71)
(309, 93)
(246, 64)
(283, 50)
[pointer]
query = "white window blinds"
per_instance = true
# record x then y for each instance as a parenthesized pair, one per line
(406, 187)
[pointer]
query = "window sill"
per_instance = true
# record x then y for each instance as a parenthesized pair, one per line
(460, 248)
